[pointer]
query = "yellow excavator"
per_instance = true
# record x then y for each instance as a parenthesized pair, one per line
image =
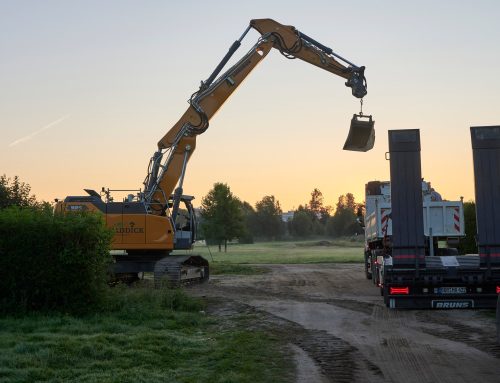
(151, 223)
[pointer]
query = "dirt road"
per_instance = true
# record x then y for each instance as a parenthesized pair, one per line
(340, 331)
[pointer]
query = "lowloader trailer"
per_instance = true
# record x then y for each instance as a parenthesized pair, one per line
(412, 235)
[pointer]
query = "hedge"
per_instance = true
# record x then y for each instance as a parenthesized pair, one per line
(52, 262)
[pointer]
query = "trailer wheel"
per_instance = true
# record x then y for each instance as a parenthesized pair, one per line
(368, 270)
(498, 319)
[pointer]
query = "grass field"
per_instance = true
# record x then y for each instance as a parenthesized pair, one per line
(146, 335)
(285, 252)
(143, 335)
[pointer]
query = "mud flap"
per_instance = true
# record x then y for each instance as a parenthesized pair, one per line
(498, 320)
(361, 136)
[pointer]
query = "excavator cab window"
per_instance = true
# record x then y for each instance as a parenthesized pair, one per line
(185, 224)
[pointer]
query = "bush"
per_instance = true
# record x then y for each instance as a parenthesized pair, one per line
(52, 262)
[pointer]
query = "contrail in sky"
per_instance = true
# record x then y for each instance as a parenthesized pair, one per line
(46, 127)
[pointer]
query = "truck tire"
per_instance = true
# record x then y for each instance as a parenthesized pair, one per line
(368, 270)
(498, 320)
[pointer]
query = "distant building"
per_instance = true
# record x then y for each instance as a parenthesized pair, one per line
(288, 216)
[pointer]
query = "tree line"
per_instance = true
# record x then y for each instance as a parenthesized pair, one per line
(225, 217)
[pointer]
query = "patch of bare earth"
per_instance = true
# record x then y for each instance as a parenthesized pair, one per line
(339, 330)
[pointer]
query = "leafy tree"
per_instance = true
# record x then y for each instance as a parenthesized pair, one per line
(15, 193)
(468, 244)
(249, 223)
(222, 215)
(340, 203)
(344, 221)
(268, 218)
(341, 223)
(361, 210)
(346, 202)
(350, 203)
(316, 205)
(302, 223)
(316, 201)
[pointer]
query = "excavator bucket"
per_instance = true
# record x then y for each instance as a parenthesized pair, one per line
(361, 134)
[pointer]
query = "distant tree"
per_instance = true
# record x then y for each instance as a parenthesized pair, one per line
(340, 223)
(316, 201)
(340, 203)
(249, 223)
(350, 203)
(268, 213)
(468, 244)
(346, 201)
(222, 215)
(302, 223)
(344, 220)
(317, 207)
(360, 210)
(16, 193)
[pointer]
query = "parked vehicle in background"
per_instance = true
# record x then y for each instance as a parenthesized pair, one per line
(412, 235)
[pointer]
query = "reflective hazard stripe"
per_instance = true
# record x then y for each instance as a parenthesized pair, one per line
(384, 220)
(407, 256)
(456, 219)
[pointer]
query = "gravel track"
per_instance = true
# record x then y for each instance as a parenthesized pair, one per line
(340, 331)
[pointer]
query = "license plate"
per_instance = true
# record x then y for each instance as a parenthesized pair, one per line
(450, 290)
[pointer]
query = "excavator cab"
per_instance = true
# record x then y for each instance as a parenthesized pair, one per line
(185, 224)
(361, 134)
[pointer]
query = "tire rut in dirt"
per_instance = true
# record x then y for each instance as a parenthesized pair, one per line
(349, 304)
(254, 292)
(459, 332)
(338, 360)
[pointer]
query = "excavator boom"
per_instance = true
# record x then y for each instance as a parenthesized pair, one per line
(168, 164)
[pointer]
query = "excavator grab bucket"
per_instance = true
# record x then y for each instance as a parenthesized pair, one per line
(361, 134)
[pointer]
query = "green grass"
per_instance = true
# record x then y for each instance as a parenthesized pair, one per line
(285, 252)
(142, 335)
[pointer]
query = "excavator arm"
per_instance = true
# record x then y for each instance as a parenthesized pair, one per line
(294, 44)
(168, 164)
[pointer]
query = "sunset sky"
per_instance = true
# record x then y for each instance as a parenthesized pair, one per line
(87, 88)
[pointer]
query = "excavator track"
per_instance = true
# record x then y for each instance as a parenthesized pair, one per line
(177, 270)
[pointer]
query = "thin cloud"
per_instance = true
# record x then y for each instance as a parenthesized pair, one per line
(34, 134)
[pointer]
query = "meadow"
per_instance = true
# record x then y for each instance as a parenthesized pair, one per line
(147, 335)
(294, 252)
(141, 335)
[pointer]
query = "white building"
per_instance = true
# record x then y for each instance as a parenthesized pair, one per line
(288, 216)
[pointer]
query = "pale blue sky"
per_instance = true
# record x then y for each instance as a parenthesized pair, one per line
(121, 71)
